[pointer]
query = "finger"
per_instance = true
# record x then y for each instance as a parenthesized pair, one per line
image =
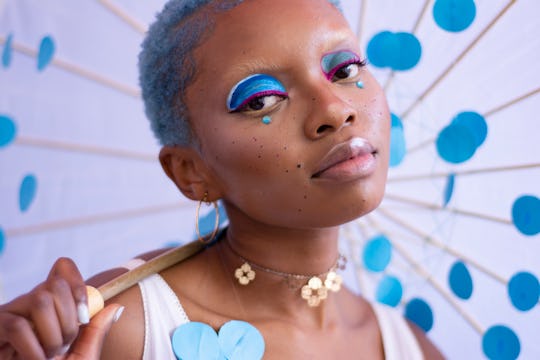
(66, 269)
(66, 309)
(18, 332)
(90, 341)
(46, 322)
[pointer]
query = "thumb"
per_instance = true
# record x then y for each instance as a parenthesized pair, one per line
(90, 340)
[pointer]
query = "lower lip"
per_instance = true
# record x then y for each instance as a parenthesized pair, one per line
(353, 169)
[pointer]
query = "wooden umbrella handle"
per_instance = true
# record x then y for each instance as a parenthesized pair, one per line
(97, 297)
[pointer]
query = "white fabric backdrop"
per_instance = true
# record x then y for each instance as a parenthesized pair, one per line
(101, 207)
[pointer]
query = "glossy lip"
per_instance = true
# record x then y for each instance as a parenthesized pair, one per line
(352, 159)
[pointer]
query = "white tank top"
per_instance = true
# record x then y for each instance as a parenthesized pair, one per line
(163, 313)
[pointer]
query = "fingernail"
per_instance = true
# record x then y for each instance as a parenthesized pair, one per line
(118, 314)
(83, 313)
(64, 350)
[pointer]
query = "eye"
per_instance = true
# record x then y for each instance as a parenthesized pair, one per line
(261, 102)
(256, 93)
(341, 65)
(347, 71)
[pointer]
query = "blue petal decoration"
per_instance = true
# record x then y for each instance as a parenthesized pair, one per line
(526, 214)
(454, 15)
(397, 142)
(456, 144)
(8, 130)
(420, 313)
(449, 189)
(460, 280)
(195, 340)
(2, 241)
(377, 253)
(398, 51)
(476, 124)
(7, 52)
(389, 291)
(46, 52)
(501, 343)
(524, 291)
(240, 340)
(27, 192)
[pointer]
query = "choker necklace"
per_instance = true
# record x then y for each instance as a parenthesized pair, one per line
(314, 291)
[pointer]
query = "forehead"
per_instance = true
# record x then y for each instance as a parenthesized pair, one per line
(258, 31)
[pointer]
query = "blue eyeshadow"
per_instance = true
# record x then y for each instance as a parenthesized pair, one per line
(330, 63)
(252, 87)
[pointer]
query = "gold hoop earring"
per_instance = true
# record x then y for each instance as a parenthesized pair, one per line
(216, 224)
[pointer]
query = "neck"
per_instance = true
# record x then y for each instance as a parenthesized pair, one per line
(304, 252)
(293, 251)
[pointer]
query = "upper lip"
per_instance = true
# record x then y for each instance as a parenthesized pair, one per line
(347, 150)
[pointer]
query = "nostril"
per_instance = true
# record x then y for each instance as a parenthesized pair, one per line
(323, 128)
(350, 119)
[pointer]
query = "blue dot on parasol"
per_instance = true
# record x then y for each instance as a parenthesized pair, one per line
(526, 214)
(377, 253)
(454, 15)
(459, 141)
(449, 189)
(7, 52)
(460, 280)
(2, 240)
(501, 343)
(389, 291)
(420, 313)
(399, 51)
(46, 52)
(8, 130)
(27, 192)
(524, 291)
(475, 123)
(397, 142)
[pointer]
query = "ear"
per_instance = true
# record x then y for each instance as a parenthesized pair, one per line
(185, 167)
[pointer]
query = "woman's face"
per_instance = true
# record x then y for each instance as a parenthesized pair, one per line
(322, 158)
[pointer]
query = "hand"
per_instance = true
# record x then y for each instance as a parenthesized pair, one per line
(44, 322)
(88, 344)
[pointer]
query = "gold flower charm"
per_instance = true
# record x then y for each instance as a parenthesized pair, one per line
(333, 281)
(244, 274)
(314, 291)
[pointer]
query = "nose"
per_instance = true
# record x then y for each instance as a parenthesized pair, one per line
(329, 112)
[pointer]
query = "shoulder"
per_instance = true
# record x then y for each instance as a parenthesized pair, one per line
(428, 348)
(125, 340)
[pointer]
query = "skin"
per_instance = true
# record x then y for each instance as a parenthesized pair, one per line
(281, 217)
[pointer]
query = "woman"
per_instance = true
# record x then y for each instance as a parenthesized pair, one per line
(266, 105)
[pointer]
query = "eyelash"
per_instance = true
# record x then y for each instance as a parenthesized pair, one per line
(243, 107)
(331, 73)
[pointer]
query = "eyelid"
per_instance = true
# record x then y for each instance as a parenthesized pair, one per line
(252, 87)
(332, 62)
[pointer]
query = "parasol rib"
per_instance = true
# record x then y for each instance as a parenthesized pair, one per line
(460, 57)
(80, 148)
(419, 269)
(413, 31)
(127, 18)
(439, 244)
(78, 70)
(361, 17)
(430, 206)
(486, 170)
(486, 114)
(92, 219)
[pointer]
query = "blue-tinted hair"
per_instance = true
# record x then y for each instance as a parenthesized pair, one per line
(167, 65)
